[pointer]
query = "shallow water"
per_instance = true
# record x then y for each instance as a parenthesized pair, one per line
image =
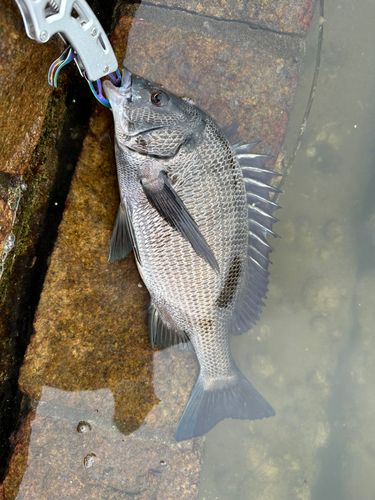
(311, 354)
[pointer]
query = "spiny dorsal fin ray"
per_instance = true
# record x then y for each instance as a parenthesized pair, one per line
(260, 220)
(249, 156)
(256, 189)
(258, 174)
(245, 148)
(259, 170)
(260, 229)
(258, 263)
(254, 209)
(265, 204)
(260, 238)
(260, 256)
(252, 165)
(230, 131)
(258, 216)
(257, 228)
(258, 184)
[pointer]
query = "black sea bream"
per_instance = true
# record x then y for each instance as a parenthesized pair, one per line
(196, 211)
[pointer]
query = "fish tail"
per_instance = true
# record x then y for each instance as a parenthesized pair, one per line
(207, 407)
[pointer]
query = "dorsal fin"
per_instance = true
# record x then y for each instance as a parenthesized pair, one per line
(245, 148)
(230, 131)
(260, 220)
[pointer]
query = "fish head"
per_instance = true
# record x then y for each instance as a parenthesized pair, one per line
(151, 120)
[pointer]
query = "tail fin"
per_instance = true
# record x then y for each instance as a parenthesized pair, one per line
(206, 408)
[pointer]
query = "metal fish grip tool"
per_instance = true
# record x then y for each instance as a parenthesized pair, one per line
(83, 34)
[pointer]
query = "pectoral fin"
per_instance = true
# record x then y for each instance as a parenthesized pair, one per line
(168, 204)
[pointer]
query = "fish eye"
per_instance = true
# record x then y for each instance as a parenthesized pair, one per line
(159, 98)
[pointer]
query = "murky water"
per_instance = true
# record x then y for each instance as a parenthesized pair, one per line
(312, 354)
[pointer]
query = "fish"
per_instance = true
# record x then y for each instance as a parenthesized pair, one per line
(196, 210)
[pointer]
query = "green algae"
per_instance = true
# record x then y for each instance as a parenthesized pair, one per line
(90, 327)
(47, 179)
(39, 179)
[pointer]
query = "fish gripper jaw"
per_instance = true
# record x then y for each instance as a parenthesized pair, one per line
(68, 55)
(79, 28)
(116, 80)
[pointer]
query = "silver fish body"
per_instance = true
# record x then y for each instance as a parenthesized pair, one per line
(196, 211)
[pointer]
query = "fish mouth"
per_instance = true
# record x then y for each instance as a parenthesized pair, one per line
(121, 100)
(116, 95)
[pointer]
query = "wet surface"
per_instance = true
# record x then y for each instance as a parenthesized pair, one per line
(81, 287)
(229, 70)
(91, 335)
(23, 93)
(311, 354)
(43, 141)
(89, 363)
(290, 16)
(100, 463)
(23, 105)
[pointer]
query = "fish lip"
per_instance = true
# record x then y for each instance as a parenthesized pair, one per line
(116, 94)
(126, 78)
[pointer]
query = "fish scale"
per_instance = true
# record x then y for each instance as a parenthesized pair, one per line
(196, 219)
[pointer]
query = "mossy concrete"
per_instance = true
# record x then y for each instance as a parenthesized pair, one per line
(24, 90)
(91, 338)
(34, 121)
(26, 114)
(24, 97)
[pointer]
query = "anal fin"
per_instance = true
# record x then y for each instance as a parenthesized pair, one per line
(164, 336)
